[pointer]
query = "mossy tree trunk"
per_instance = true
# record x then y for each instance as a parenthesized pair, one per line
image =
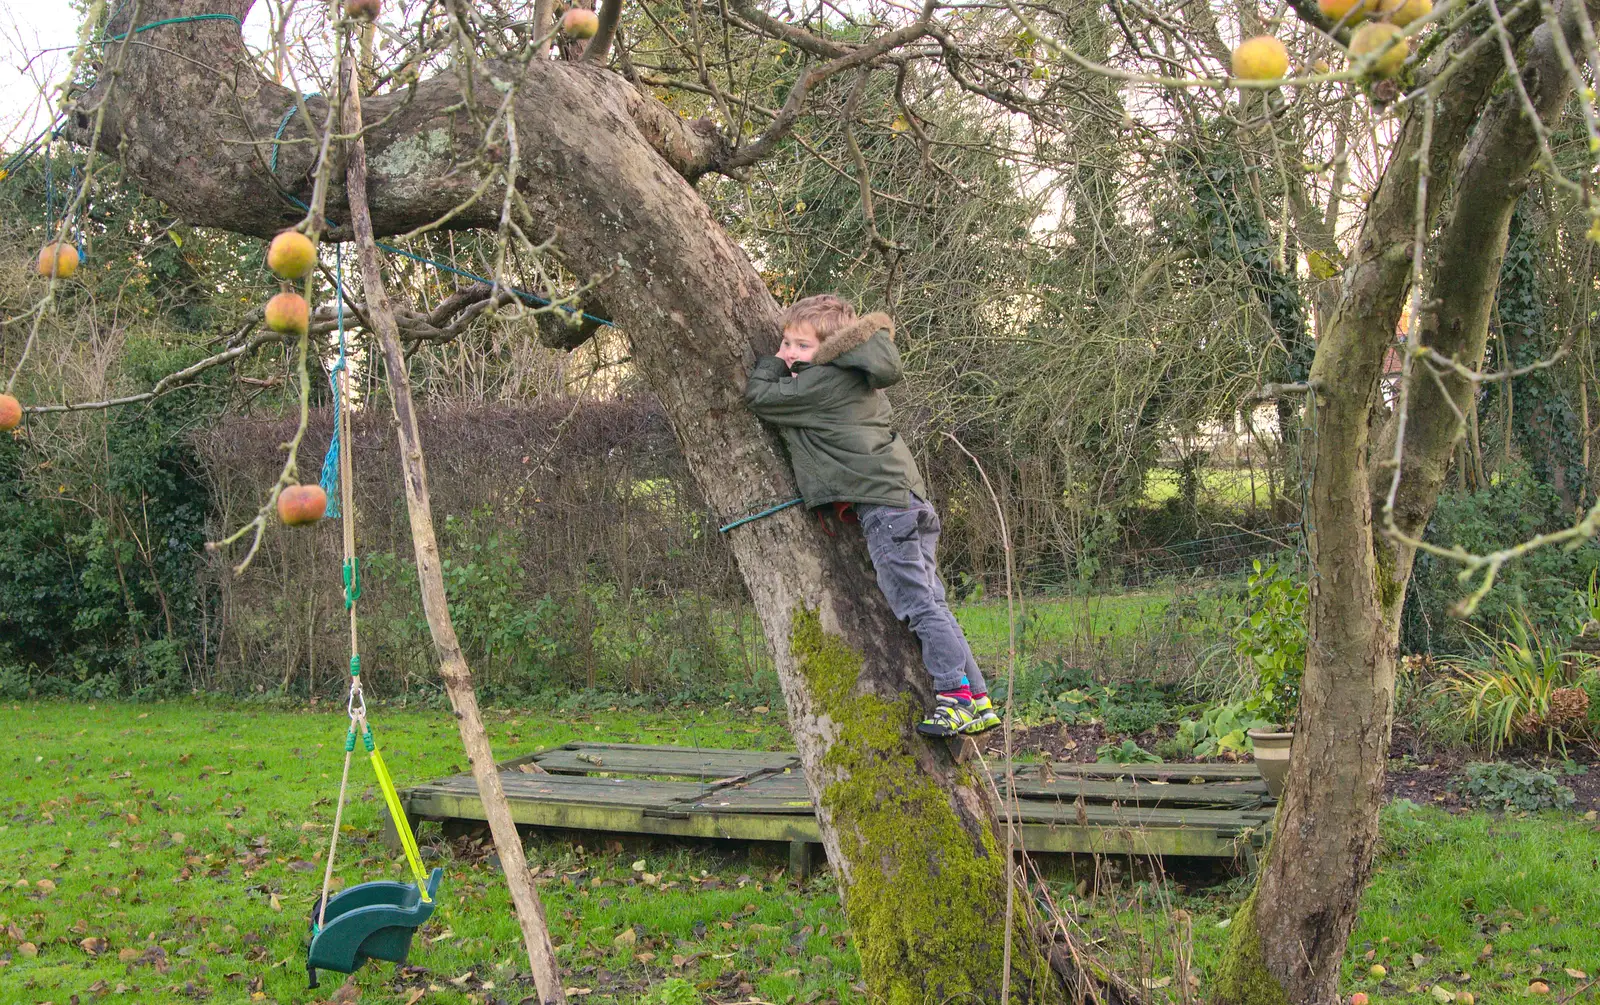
(1289, 941)
(908, 830)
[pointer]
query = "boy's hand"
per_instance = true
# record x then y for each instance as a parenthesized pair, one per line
(769, 368)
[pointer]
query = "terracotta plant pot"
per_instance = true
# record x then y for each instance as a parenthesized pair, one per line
(1272, 758)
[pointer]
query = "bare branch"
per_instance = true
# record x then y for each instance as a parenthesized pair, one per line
(595, 51)
(792, 106)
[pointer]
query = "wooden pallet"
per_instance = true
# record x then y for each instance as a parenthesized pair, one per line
(1209, 810)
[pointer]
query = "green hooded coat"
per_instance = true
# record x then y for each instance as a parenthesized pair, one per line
(835, 418)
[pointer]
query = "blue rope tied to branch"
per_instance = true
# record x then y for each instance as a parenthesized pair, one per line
(756, 516)
(283, 124)
(330, 463)
(173, 20)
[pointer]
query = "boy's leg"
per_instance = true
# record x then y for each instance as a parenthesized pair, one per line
(983, 707)
(894, 540)
(929, 542)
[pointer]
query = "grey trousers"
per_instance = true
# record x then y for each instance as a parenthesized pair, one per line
(902, 543)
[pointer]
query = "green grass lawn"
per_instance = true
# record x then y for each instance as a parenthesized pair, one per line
(1059, 619)
(1219, 486)
(177, 848)
(1471, 902)
(173, 851)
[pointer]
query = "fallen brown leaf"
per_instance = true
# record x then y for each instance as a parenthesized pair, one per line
(94, 945)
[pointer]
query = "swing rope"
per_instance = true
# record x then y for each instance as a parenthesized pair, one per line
(339, 461)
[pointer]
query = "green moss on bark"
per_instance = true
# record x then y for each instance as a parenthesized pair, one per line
(1389, 589)
(1244, 978)
(926, 898)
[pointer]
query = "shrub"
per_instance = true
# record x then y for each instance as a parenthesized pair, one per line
(1133, 717)
(1220, 729)
(1127, 752)
(98, 594)
(1502, 786)
(1502, 694)
(1537, 585)
(1270, 641)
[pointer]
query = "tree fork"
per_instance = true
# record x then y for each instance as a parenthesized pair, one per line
(435, 604)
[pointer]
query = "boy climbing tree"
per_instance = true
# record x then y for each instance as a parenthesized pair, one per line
(824, 391)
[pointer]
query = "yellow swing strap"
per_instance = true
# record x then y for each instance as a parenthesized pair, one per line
(397, 815)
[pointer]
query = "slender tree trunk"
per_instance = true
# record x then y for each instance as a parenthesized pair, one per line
(452, 665)
(1289, 940)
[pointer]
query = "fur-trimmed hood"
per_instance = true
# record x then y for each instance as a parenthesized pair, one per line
(853, 335)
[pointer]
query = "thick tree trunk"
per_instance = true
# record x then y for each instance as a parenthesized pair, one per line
(1290, 938)
(909, 832)
(430, 576)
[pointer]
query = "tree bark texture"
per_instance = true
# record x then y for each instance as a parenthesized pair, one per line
(909, 831)
(1290, 938)
(430, 577)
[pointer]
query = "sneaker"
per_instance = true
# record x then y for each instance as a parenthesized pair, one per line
(988, 718)
(950, 717)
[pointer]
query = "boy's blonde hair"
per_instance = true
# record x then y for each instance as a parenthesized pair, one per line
(825, 313)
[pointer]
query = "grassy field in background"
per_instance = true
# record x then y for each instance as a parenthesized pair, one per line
(1219, 486)
(172, 851)
(1055, 622)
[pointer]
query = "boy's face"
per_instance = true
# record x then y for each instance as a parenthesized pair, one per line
(800, 345)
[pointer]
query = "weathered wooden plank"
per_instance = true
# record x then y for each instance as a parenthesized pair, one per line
(750, 803)
(1226, 821)
(570, 788)
(1174, 773)
(1156, 842)
(1093, 790)
(682, 763)
(1056, 838)
(672, 821)
(1223, 794)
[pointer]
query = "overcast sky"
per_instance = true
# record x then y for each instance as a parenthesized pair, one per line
(27, 29)
(36, 41)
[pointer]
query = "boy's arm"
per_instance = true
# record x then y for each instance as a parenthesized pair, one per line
(792, 402)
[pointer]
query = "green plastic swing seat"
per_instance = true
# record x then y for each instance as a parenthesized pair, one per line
(369, 921)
